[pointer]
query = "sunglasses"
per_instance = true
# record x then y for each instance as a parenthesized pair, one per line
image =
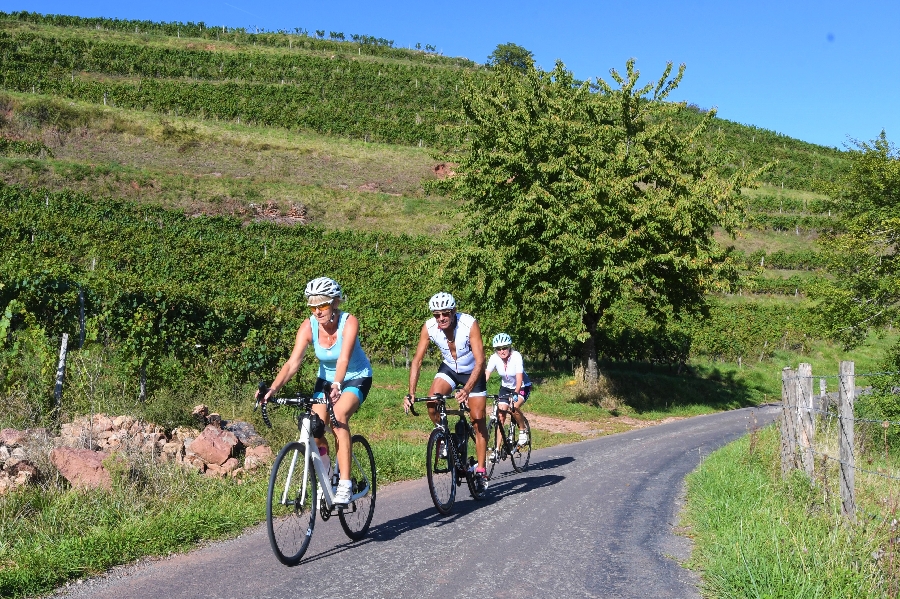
(320, 307)
(443, 314)
(504, 348)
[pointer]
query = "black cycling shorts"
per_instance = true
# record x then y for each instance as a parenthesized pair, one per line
(445, 373)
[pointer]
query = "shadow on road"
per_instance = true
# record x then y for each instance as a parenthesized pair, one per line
(501, 485)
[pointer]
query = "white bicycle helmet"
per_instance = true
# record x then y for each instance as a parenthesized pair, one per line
(323, 286)
(502, 340)
(441, 301)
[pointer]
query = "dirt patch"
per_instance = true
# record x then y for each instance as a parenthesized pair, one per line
(591, 429)
(443, 170)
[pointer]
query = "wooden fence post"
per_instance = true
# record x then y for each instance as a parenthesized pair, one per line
(805, 404)
(846, 397)
(788, 444)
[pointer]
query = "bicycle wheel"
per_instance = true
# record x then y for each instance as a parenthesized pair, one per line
(476, 488)
(440, 464)
(290, 515)
(356, 517)
(522, 453)
(495, 446)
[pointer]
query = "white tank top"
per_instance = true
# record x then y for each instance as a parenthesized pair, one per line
(465, 359)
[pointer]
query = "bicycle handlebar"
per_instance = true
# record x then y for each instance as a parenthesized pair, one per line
(298, 401)
(436, 397)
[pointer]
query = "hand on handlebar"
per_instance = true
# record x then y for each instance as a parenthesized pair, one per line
(266, 394)
(462, 396)
(408, 402)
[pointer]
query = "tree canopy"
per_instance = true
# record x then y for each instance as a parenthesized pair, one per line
(511, 55)
(579, 198)
(862, 252)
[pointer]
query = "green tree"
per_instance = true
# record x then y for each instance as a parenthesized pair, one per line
(511, 55)
(578, 198)
(862, 252)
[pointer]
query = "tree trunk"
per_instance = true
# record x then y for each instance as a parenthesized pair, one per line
(589, 355)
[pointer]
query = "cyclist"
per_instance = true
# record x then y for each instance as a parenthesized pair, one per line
(515, 386)
(345, 373)
(458, 336)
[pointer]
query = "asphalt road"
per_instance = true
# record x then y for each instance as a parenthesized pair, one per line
(591, 519)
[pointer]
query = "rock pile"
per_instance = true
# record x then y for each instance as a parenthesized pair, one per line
(81, 451)
(16, 470)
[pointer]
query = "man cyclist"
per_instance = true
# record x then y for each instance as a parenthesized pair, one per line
(458, 336)
(515, 386)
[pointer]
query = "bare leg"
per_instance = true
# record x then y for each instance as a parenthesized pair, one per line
(345, 407)
(437, 386)
(476, 411)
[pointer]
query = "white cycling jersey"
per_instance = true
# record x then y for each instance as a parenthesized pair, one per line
(464, 363)
(508, 370)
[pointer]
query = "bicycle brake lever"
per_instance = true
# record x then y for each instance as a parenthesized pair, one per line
(412, 407)
(262, 389)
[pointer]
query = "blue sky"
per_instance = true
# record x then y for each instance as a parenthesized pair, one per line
(823, 72)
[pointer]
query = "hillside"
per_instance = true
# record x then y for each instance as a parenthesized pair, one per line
(346, 89)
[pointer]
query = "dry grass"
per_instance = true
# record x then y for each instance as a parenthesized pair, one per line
(221, 168)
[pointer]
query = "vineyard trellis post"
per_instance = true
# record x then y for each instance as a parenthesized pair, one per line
(846, 397)
(788, 430)
(804, 417)
(61, 373)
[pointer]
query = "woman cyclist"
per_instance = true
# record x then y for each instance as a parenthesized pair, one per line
(345, 374)
(515, 386)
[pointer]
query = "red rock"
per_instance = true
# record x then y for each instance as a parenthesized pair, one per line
(24, 467)
(102, 422)
(83, 468)
(12, 437)
(257, 456)
(214, 445)
(171, 451)
(199, 413)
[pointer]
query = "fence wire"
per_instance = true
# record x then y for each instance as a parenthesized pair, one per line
(802, 430)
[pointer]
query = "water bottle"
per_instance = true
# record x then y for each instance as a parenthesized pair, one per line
(460, 433)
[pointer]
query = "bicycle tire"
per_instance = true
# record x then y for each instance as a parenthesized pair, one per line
(290, 518)
(476, 491)
(521, 455)
(495, 434)
(356, 517)
(441, 470)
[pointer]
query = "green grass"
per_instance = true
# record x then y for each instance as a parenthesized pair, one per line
(51, 534)
(758, 536)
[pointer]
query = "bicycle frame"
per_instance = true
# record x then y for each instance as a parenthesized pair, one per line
(442, 422)
(321, 470)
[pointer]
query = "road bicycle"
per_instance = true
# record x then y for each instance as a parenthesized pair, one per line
(448, 460)
(503, 441)
(298, 472)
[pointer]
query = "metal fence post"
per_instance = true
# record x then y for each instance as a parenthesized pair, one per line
(846, 397)
(61, 372)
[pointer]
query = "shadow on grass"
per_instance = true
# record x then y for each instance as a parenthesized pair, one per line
(644, 388)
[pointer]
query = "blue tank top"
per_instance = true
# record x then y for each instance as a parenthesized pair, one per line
(359, 366)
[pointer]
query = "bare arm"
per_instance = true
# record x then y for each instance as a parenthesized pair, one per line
(477, 345)
(290, 368)
(416, 366)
